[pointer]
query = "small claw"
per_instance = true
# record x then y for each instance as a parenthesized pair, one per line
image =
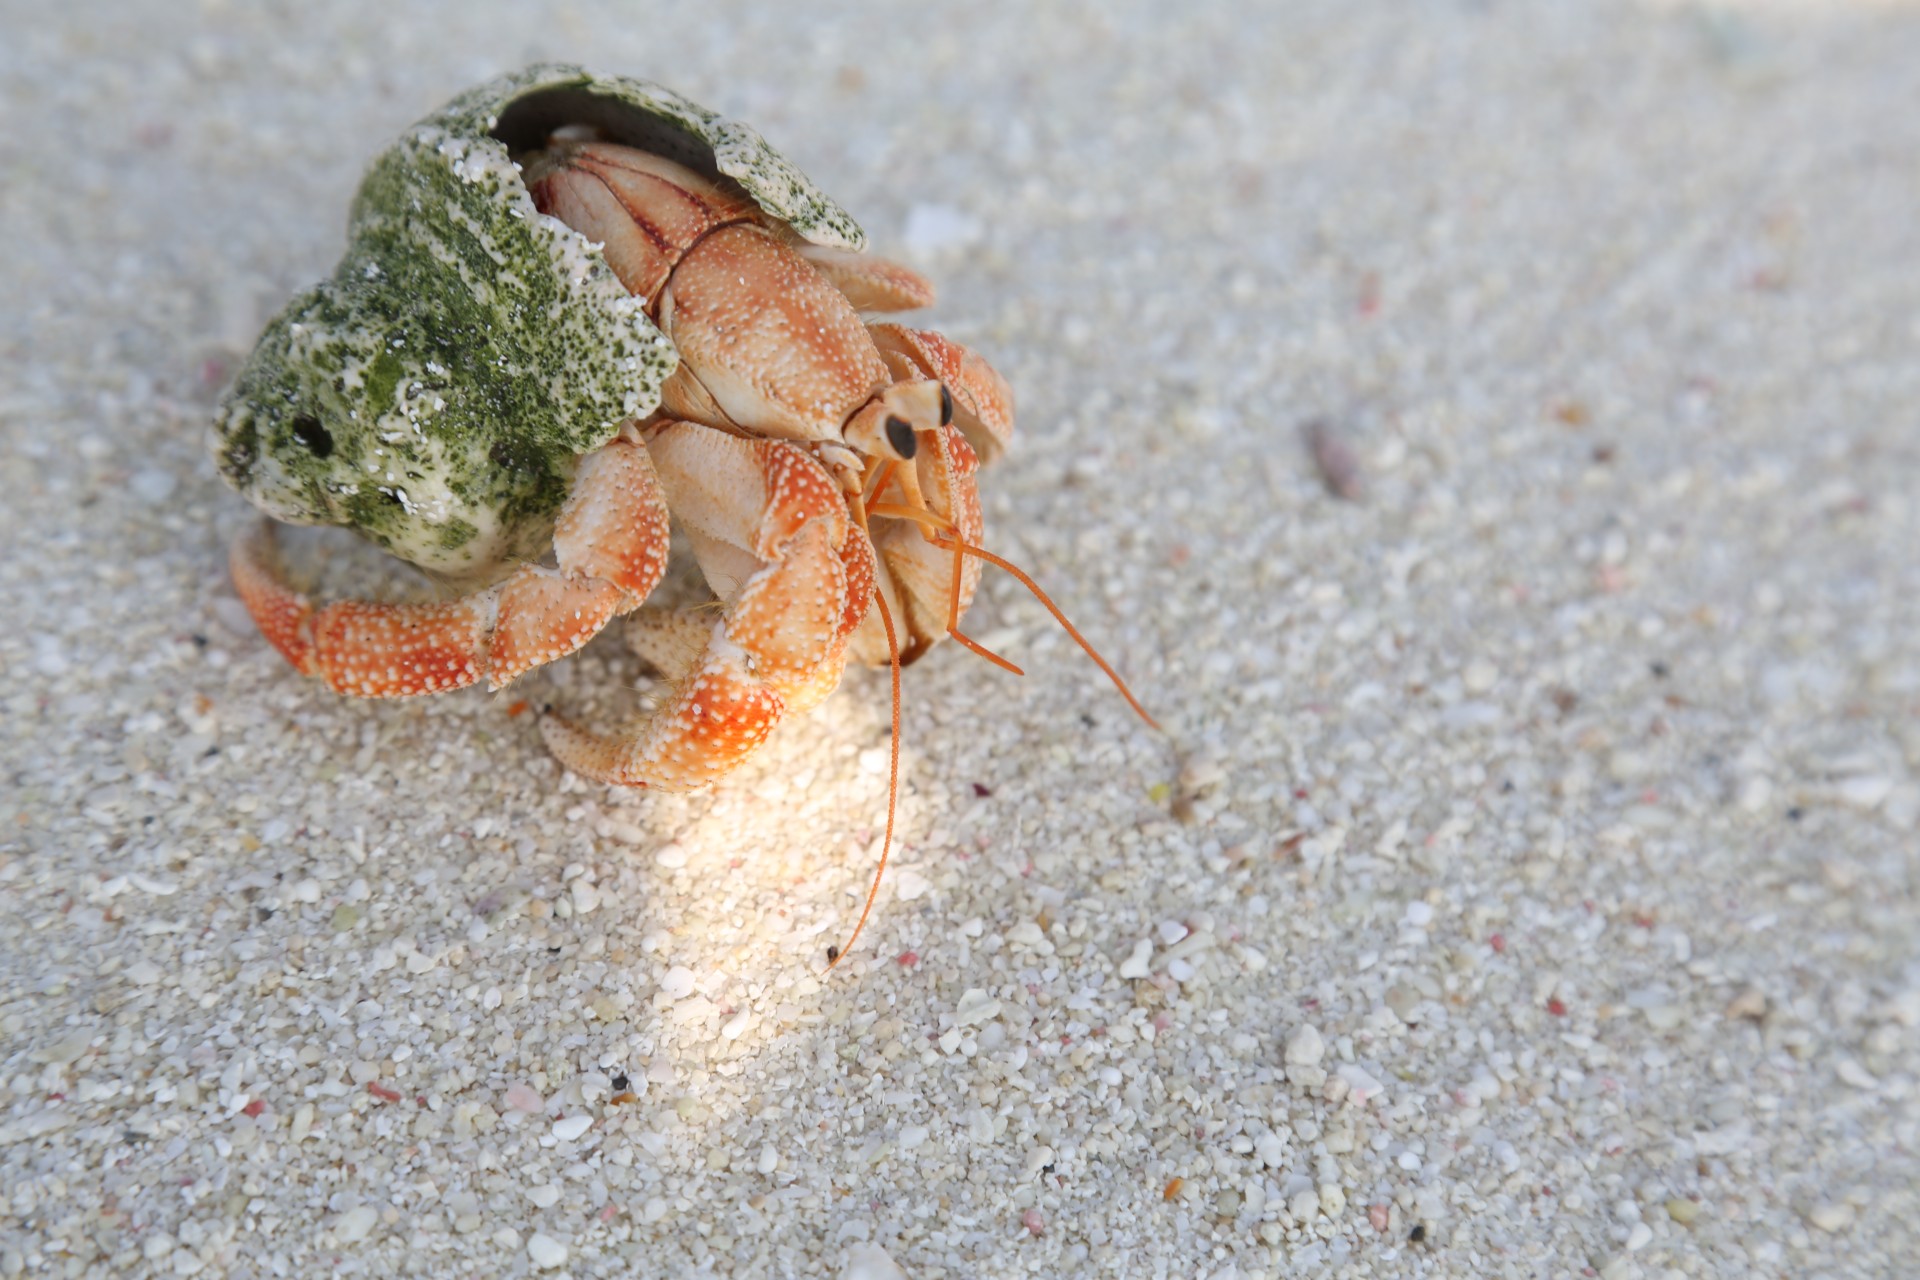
(715, 720)
(772, 522)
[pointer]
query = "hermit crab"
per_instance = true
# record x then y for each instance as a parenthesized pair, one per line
(573, 311)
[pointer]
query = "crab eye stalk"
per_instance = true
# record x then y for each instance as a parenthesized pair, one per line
(900, 436)
(946, 406)
(889, 425)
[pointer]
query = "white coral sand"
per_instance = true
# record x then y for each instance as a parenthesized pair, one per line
(1526, 886)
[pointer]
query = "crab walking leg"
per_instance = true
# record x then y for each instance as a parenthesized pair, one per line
(870, 283)
(669, 640)
(611, 543)
(775, 540)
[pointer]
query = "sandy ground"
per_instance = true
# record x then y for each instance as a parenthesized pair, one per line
(1525, 886)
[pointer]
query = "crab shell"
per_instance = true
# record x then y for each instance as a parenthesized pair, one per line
(436, 392)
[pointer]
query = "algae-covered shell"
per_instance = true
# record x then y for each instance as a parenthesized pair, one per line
(435, 393)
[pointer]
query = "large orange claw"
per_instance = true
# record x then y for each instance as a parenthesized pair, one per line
(611, 542)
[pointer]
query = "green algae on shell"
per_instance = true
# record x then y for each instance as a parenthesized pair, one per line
(435, 393)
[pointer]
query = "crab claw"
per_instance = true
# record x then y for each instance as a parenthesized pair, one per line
(610, 540)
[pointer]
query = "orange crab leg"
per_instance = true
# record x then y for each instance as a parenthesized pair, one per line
(773, 533)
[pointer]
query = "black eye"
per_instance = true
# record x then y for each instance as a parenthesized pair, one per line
(308, 431)
(900, 436)
(946, 406)
(833, 953)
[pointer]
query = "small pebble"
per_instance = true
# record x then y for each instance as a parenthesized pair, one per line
(572, 1128)
(976, 1006)
(1755, 795)
(1140, 963)
(522, 1098)
(677, 982)
(1305, 1048)
(355, 1224)
(1336, 460)
(1863, 792)
(546, 1252)
(868, 1261)
(1362, 1085)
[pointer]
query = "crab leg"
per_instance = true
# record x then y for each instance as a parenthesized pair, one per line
(611, 545)
(776, 541)
(870, 283)
(669, 640)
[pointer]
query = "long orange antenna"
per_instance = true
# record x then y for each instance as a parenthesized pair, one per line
(935, 525)
(1061, 618)
(945, 535)
(953, 622)
(834, 956)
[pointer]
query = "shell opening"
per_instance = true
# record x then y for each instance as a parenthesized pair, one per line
(528, 122)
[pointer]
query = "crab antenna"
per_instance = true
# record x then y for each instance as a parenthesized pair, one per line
(1059, 617)
(945, 535)
(935, 525)
(953, 623)
(893, 779)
